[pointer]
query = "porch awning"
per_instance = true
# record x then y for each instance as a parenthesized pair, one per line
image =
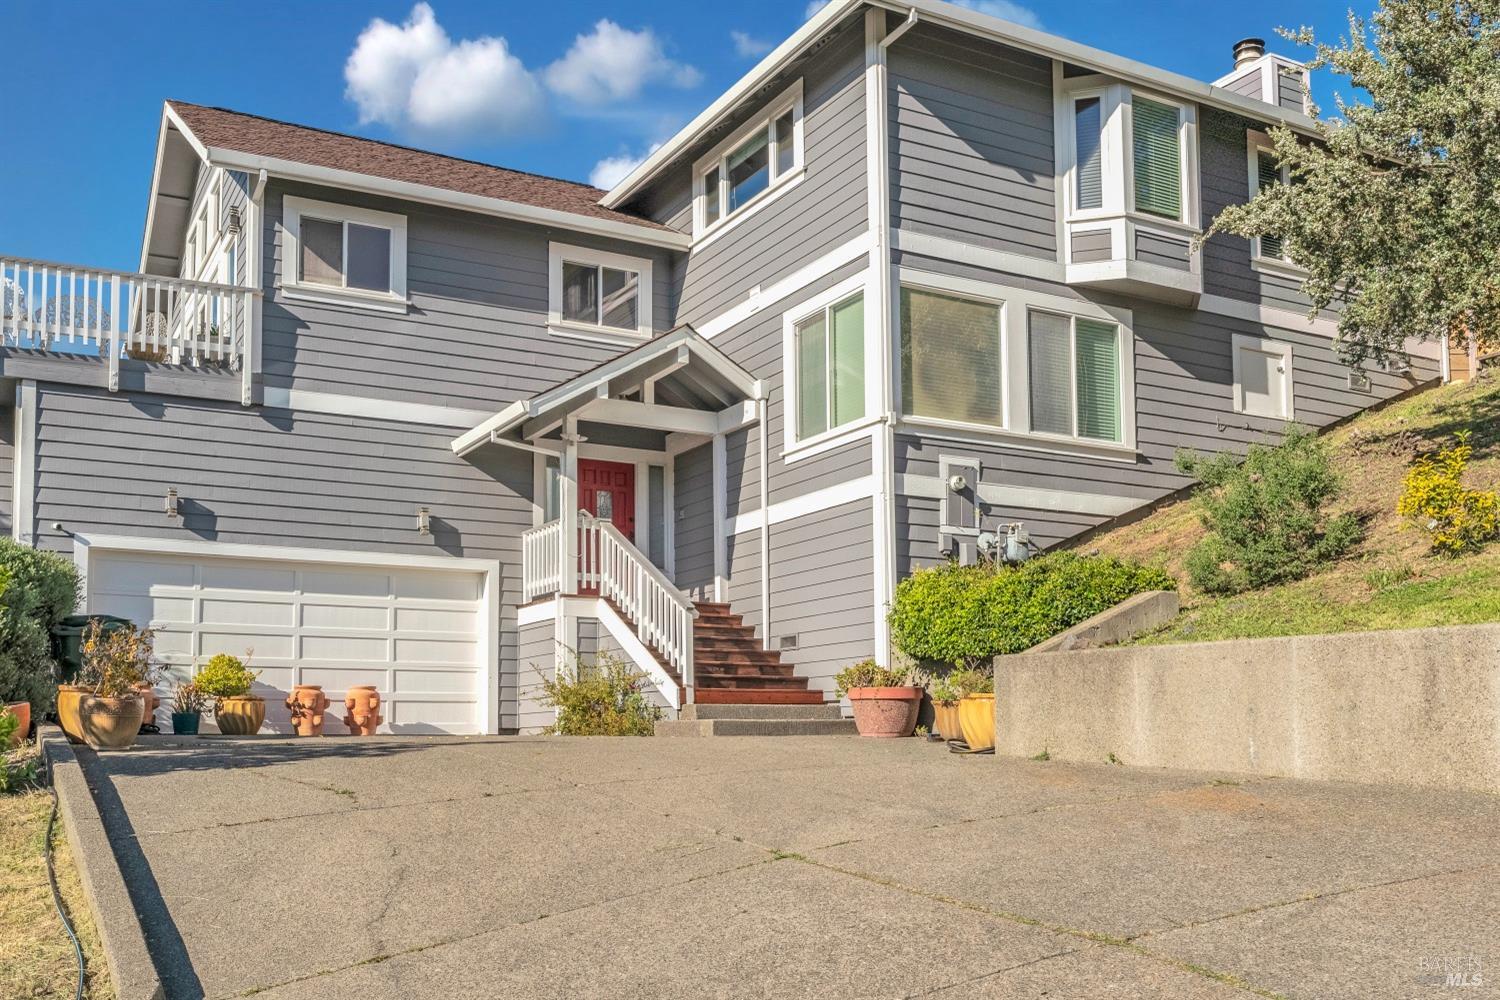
(677, 383)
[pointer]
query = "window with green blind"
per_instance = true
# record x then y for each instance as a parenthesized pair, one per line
(1268, 175)
(830, 355)
(1074, 374)
(1087, 136)
(1157, 158)
(950, 358)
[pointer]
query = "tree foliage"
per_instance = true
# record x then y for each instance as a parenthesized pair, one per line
(1395, 213)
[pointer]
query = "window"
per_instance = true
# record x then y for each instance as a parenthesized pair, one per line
(1266, 173)
(1089, 177)
(1262, 377)
(763, 155)
(951, 358)
(343, 253)
(1074, 376)
(829, 354)
(1157, 158)
(594, 292)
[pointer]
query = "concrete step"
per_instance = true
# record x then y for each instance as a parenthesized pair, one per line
(703, 713)
(755, 727)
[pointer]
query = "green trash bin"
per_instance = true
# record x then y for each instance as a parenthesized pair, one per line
(67, 642)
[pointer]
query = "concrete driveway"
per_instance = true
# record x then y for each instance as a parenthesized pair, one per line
(821, 867)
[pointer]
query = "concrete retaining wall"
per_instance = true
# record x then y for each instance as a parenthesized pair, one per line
(1417, 707)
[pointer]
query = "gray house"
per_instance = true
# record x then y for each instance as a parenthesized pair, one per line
(389, 417)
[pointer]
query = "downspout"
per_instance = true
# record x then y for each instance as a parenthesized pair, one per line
(765, 531)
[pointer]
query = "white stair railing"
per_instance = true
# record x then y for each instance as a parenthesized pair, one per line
(541, 561)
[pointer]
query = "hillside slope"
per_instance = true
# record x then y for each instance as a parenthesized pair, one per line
(1390, 580)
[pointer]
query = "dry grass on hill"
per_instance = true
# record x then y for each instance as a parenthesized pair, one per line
(1390, 580)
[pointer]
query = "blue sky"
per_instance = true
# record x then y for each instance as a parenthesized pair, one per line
(558, 88)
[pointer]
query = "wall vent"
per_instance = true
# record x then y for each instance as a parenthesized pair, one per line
(1359, 381)
(787, 643)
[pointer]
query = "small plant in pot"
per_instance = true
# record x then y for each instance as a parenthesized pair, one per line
(188, 703)
(976, 707)
(226, 680)
(115, 665)
(945, 696)
(885, 703)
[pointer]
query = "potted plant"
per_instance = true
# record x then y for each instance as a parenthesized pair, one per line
(976, 708)
(21, 712)
(945, 696)
(307, 703)
(115, 665)
(187, 709)
(885, 703)
(227, 680)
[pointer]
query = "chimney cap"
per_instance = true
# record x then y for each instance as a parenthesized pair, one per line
(1248, 50)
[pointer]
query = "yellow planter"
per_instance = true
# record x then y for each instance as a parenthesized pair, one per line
(68, 697)
(240, 716)
(976, 716)
(945, 717)
(110, 723)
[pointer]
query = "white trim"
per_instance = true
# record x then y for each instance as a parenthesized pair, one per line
(1257, 142)
(558, 253)
(23, 485)
(721, 514)
(822, 302)
(293, 208)
(943, 248)
(760, 298)
(570, 608)
(1026, 497)
(827, 498)
(1261, 345)
(789, 99)
(404, 411)
(839, 437)
(488, 653)
(669, 518)
(630, 644)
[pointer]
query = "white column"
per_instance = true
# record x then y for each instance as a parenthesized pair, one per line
(765, 529)
(23, 504)
(567, 493)
(721, 517)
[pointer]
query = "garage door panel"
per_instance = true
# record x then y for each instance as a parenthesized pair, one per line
(407, 681)
(115, 575)
(336, 681)
(233, 612)
(435, 586)
(430, 717)
(246, 576)
(371, 618)
(345, 647)
(346, 583)
(412, 619)
(266, 644)
(434, 651)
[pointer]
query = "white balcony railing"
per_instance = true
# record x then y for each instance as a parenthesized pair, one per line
(609, 565)
(114, 314)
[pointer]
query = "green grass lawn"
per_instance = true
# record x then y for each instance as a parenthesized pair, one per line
(1391, 580)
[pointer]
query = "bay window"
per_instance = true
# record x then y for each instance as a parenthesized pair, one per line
(1157, 158)
(762, 156)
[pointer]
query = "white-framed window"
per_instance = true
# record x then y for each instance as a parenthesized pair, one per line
(748, 168)
(953, 365)
(1126, 153)
(825, 351)
(1262, 377)
(340, 253)
(1264, 172)
(1157, 158)
(596, 293)
(1074, 376)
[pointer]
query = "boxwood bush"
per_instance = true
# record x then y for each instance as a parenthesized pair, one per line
(967, 615)
(40, 589)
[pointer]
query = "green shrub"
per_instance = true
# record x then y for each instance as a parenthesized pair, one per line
(40, 589)
(943, 691)
(1458, 518)
(225, 676)
(1267, 516)
(869, 674)
(967, 682)
(18, 767)
(603, 698)
(968, 615)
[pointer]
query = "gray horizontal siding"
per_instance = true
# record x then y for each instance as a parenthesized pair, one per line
(275, 477)
(476, 334)
(693, 530)
(971, 142)
(1248, 85)
(1092, 245)
(535, 651)
(7, 471)
(1166, 251)
(1289, 91)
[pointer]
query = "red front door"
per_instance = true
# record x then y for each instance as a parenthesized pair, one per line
(607, 491)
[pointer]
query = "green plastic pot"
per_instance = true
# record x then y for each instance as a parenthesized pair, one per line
(186, 723)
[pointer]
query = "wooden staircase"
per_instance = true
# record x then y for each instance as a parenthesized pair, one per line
(730, 667)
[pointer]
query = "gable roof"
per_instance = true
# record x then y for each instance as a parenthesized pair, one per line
(245, 141)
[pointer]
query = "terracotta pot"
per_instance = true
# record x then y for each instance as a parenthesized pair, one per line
(241, 715)
(976, 715)
(885, 712)
(22, 711)
(363, 703)
(151, 702)
(946, 720)
(307, 703)
(68, 696)
(110, 723)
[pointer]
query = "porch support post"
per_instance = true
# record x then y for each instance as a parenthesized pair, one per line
(765, 530)
(567, 493)
(721, 516)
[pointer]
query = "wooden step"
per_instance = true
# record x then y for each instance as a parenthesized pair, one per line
(740, 696)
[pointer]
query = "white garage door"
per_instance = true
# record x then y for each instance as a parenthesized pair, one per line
(417, 634)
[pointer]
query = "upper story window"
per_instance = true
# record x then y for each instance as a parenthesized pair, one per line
(340, 253)
(1127, 154)
(596, 293)
(830, 375)
(747, 168)
(1157, 158)
(1265, 173)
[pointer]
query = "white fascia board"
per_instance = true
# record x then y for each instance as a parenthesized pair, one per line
(498, 207)
(168, 117)
(815, 28)
(480, 434)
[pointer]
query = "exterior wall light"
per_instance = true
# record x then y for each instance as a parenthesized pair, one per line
(424, 521)
(171, 505)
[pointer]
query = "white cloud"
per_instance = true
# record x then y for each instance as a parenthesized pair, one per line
(1006, 10)
(614, 64)
(747, 47)
(613, 169)
(813, 7)
(413, 77)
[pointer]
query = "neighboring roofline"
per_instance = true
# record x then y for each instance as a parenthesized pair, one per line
(167, 116)
(586, 382)
(963, 19)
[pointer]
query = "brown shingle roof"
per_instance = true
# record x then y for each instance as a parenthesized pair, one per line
(244, 133)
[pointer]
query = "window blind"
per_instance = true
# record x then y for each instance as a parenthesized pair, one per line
(1090, 171)
(1050, 363)
(1158, 159)
(1269, 176)
(950, 358)
(848, 361)
(1097, 374)
(812, 378)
